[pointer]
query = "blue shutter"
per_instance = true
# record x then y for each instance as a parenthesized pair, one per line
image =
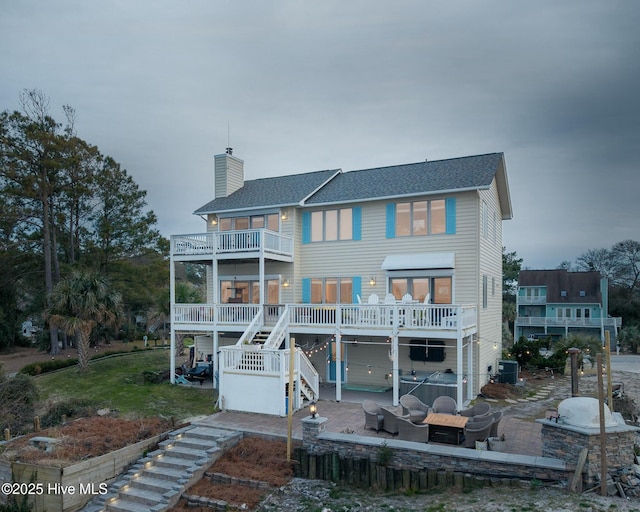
(306, 290)
(391, 220)
(356, 288)
(356, 219)
(450, 209)
(306, 227)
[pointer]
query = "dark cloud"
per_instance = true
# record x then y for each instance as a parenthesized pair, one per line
(161, 86)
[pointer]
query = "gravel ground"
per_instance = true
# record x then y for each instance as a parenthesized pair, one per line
(314, 495)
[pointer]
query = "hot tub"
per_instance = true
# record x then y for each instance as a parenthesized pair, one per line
(430, 385)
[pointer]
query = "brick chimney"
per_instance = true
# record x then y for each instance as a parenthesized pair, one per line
(228, 174)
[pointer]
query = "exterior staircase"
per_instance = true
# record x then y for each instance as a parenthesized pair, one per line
(156, 482)
(260, 338)
(306, 390)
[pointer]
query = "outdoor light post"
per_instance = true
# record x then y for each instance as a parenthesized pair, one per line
(313, 409)
(573, 353)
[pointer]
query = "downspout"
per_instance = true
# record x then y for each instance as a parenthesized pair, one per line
(478, 290)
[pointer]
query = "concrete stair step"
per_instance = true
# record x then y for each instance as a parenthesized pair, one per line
(214, 436)
(121, 505)
(203, 432)
(194, 443)
(163, 473)
(181, 452)
(142, 496)
(150, 484)
(172, 463)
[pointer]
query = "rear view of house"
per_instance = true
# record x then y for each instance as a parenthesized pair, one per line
(384, 277)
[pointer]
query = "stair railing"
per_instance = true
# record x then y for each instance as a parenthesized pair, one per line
(252, 329)
(279, 331)
(308, 372)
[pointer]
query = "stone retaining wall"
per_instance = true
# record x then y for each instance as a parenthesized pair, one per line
(366, 474)
(422, 456)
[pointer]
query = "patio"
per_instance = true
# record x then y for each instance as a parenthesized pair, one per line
(523, 437)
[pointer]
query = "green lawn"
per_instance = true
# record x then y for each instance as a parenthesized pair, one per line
(118, 383)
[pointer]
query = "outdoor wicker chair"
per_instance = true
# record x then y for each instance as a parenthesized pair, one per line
(390, 416)
(479, 409)
(477, 430)
(408, 431)
(373, 417)
(414, 407)
(496, 416)
(445, 405)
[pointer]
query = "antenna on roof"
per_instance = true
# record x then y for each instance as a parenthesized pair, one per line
(229, 148)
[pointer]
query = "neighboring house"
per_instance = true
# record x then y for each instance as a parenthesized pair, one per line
(381, 277)
(556, 303)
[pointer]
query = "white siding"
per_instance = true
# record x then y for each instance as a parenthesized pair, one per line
(347, 258)
(228, 174)
(490, 264)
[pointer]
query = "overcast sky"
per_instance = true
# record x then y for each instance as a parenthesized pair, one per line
(303, 86)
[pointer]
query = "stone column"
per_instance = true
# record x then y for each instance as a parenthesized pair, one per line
(564, 442)
(311, 429)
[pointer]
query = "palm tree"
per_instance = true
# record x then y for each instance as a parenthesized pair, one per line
(79, 303)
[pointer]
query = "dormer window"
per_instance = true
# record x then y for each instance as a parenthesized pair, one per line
(583, 293)
(563, 293)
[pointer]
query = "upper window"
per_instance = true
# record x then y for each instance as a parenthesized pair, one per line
(331, 290)
(485, 301)
(485, 219)
(270, 221)
(420, 218)
(248, 292)
(329, 225)
(495, 228)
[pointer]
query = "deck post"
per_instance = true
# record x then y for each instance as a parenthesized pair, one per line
(459, 362)
(470, 374)
(215, 359)
(338, 366)
(395, 363)
(172, 313)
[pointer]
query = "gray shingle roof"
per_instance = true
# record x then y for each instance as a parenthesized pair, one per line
(559, 280)
(471, 172)
(264, 192)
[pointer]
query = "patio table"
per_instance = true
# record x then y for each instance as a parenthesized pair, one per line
(446, 428)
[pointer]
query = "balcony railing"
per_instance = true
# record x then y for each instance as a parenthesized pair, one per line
(446, 317)
(240, 314)
(524, 300)
(232, 242)
(540, 321)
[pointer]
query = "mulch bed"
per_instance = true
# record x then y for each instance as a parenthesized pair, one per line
(252, 458)
(85, 438)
